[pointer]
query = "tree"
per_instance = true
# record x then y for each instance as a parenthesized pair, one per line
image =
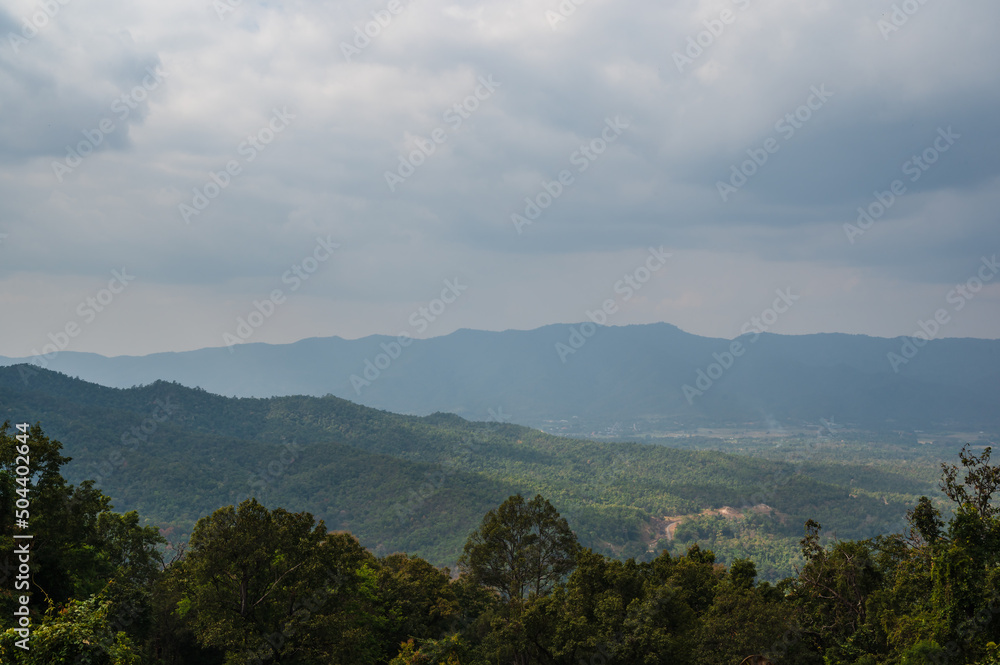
(66, 551)
(981, 481)
(742, 572)
(81, 632)
(925, 521)
(744, 619)
(520, 549)
(966, 567)
(416, 600)
(92, 570)
(837, 581)
(275, 585)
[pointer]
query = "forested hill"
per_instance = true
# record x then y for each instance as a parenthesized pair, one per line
(255, 585)
(420, 484)
(652, 375)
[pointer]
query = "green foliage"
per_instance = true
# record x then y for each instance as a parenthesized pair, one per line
(926, 520)
(522, 548)
(82, 631)
(90, 569)
(268, 585)
(421, 485)
(275, 585)
(980, 482)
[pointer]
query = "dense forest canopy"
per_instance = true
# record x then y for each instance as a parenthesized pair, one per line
(265, 585)
(421, 484)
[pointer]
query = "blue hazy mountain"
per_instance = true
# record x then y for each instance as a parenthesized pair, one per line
(638, 373)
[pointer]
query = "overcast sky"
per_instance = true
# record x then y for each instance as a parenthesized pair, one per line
(114, 116)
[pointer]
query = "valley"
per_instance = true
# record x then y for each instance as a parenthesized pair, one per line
(419, 484)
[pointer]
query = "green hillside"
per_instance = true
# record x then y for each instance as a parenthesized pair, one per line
(420, 484)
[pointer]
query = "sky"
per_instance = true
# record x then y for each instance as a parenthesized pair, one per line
(187, 174)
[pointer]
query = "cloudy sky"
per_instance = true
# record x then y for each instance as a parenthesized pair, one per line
(165, 166)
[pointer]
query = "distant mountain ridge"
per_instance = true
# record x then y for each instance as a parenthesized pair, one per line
(603, 374)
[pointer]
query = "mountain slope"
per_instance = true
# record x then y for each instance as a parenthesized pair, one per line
(632, 374)
(418, 484)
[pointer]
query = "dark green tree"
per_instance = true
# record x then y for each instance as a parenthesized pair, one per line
(520, 551)
(83, 631)
(415, 601)
(835, 584)
(89, 567)
(745, 619)
(522, 548)
(925, 521)
(965, 569)
(274, 585)
(978, 485)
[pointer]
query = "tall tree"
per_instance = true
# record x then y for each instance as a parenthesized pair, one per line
(979, 484)
(89, 567)
(521, 548)
(274, 585)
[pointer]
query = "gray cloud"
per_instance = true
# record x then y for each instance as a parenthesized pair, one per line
(656, 184)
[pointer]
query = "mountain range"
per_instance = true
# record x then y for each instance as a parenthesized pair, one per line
(652, 377)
